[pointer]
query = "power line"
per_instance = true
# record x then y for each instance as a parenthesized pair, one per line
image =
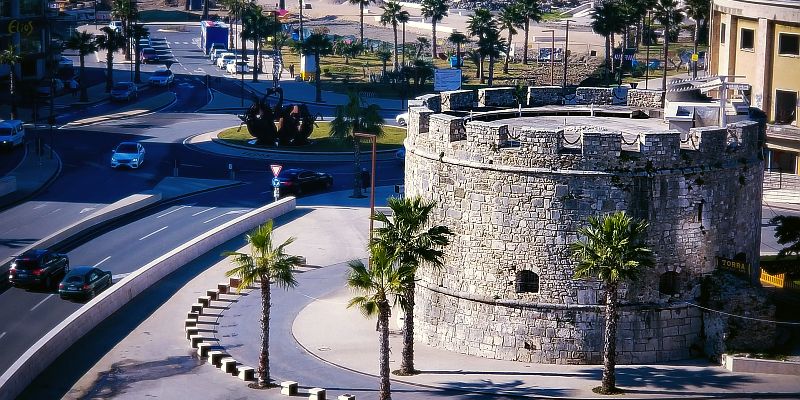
(744, 317)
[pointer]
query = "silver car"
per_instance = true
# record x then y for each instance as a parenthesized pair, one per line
(124, 91)
(127, 154)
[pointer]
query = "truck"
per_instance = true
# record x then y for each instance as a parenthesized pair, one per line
(213, 32)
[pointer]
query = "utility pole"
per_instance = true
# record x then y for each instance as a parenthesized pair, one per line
(552, 55)
(566, 54)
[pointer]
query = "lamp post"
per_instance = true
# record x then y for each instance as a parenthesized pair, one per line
(566, 54)
(552, 54)
(372, 139)
(647, 49)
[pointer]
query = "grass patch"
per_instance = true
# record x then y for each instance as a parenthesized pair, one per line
(169, 16)
(391, 139)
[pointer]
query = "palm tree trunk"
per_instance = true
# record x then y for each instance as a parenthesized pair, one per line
(407, 364)
(361, 20)
(263, 358)
(508, 52)
(434, 54)
(244, 48)
(384, 389)
(458, 55)
(666, 51)
(205, 11)
(481, 71)
(84, 94)
(317, 73)
(12, 89)
(491, 70)
(608, 56)
(256, 50)
(525, 49)
(127, 35)
(137, 76)
(404, 43)
(609, 381)
(109, 69)
(696, 37)
(395, 48)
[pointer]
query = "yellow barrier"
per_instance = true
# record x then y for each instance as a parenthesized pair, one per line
(774, 280)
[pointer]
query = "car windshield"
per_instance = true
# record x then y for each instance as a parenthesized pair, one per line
(74, 279)
(126, 148)
(149, 51)
(26, 264)
(6, 132)
(161, 73)
(121, 86)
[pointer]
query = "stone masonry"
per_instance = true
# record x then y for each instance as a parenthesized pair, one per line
(645, 98)
(544, 96)
(515, 197)
(457, 100)
(497, 97)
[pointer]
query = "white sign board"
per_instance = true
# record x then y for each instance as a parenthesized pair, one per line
(446, 79)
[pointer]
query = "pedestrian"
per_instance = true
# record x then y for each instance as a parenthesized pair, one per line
(291, 71)
(365, 178)
(73, 86)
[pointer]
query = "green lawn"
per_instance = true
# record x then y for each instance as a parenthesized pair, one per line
(392, 138)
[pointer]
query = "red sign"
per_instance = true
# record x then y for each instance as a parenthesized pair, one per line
(276, 169)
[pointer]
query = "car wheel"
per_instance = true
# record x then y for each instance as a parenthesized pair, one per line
(401, 122)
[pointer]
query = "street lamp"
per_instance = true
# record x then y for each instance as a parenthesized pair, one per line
(647, 49)
(552, 54)
(373, 139)
(566, 54)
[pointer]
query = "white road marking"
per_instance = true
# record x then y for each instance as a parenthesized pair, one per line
(40, 206)
(86, 209)
(151, 234)
(200, 212)
(191, 165)
(102, 261)
(2, 334)
(172, 211)
(43, 300)
(55, 211)
(227, 213)
(117, 277)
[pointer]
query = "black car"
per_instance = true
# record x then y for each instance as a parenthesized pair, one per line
(299, 181)
(84, 283)
(38, 267)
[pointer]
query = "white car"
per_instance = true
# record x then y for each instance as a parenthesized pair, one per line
(402, 119)
(127, 154)
(237, 67)
(12, 133)
(115, 25)
(161, 77)
(216, 52)
(224, 59)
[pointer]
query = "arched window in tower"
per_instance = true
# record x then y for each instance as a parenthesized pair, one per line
(527, 282)
(669, 283)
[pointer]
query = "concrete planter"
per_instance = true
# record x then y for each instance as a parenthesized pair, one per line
(760, 366)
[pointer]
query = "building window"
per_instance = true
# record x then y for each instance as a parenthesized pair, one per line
(723, 30)
(788, 44)
(747, 39)
(668, 283)
(527, 282)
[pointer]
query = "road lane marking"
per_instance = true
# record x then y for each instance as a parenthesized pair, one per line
(2, 334)
(86, 209)
(117, 277)
(172, 211)
(102, 261)
(200, 212)
(36, 208)
(43, 300)
(151, 234)
(227, 213)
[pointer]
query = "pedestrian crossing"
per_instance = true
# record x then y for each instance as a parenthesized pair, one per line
(179, 42)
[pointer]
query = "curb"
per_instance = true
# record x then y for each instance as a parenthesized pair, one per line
(216, 139)
(117, 116)
(14, 200)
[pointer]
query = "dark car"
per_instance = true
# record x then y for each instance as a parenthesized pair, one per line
(149, 55)
(84, 283)
(299, 181)
(39, 267)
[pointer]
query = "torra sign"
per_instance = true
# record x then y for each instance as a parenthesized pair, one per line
(15, 26)
(737, 267)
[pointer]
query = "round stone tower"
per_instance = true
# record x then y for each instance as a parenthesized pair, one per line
(516, 184)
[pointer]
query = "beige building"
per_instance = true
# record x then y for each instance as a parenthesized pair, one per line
(758, 41)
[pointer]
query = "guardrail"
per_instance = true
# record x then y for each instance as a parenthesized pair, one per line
(65, 334)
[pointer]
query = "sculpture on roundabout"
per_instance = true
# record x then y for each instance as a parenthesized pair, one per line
(294, 122)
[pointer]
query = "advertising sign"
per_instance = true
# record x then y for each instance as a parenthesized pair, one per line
(737, 267)
(445, 79)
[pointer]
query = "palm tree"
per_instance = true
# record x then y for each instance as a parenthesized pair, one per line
(112, 42)
(84, 43)
(11, 58)
(422, 45)
(697, 10)
(256, 26)
(138, 32)
(126, 11)
(491, 45)
(375, 286)
(436, 10)
(478, 25)
(411, 240)
(509, 18)
(404, 17)
(668, 14)
(391, 16)
(475, 56)
(530, 10)
(605, 21)
(384, 56)
(318, 44)
(356, 116)
(458, 39)
(612, 251)
(267, 265)
(361, 4)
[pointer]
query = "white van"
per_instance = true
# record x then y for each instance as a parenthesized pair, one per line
(116, 25)
(12, 133)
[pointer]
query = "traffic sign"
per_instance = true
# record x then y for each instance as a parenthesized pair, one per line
(276, 194)
(276, 169)
(695, 56)
(276, 183)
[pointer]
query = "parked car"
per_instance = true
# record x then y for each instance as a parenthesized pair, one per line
(216, 53)
(237, 67)
(144, 43)
(127, 154)
(149, 55)
(299, 181)
(124, 91)
(64, 62)
(402, 119)
(115, 25)
(224, 59)
(45, 86)
(162, 77)
(38, 268)
(216, 46)
(12, 133)
(84, 283)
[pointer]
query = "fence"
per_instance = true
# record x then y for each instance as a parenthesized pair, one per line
(778, 281)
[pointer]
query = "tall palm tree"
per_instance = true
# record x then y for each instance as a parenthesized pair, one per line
(361, 4)
(697, 10)
(112, 42)
(458, 39)
(613, 251)
(605, 21)
(11, 58)
(375, 287)
(530, 10)
(256, 26)
(318, 44)
(668, 14)
(436, 10)
(509, 18)
(479, 24)
(391, 15)
(84, 43)
(138, 32)
(422, 45)
(126, 11)
(491, 45)
(266, 264)
(384, 56)
(404, 17)
(409, 237)
(356, 116)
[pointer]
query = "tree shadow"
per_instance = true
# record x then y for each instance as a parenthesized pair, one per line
(507, 389)
(123, 374)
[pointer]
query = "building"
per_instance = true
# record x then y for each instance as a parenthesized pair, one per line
(758, 41)
(24, 24)
(515, 184)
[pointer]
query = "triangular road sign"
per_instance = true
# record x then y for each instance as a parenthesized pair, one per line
(276, 169)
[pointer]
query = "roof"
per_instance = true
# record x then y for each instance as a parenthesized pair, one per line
(34, 253)
(10, 122)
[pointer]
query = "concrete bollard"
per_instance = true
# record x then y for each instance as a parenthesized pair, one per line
(203, 349)
(213, 294)
(346, 396)
(190, 322)
(228, 365)
(205, 301)
(195, 340)
(215, 356)
(289, 388)
(246, 373)
(191, 331)
(197, 308)
(235, 282)
(223, 287)
(192, 315)
(316, 394)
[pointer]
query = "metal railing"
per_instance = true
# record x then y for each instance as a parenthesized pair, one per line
(773, 178)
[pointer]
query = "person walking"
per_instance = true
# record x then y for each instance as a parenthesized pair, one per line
(73, 86)
(291, 71)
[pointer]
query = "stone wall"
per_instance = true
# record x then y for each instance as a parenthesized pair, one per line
(646, 98)
(544, 96)
(516, 206)
(457, 100)
(497, 97)
(594, 95)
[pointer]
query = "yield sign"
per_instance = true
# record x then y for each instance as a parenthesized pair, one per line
(276, 169)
